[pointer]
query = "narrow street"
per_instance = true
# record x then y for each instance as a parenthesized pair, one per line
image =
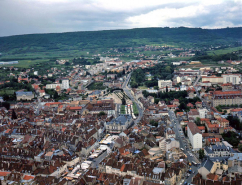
(184, 144)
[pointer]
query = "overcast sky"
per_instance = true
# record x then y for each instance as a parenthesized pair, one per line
(48, 16)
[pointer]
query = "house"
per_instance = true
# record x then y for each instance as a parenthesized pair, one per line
(212, 141)
(175, 102)
(170, 134)
(198, 104)
(193, 113)
(191, 91)
(206, 168)
(172, 143)
(41, 93)
(222, 122)
(218, 150)
(202, 128)
(190, 105)
(235, 161)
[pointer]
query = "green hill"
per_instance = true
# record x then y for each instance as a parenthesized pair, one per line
(70, 43)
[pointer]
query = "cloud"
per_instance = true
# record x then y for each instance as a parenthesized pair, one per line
(206, 15)
(44, 16)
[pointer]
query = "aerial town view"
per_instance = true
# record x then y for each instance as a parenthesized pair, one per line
(120, 93)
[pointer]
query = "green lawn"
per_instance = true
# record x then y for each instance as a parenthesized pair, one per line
(96, 86)
(224, 51)
(142, 87)
(135, 109)
(122, 109)
(8, 92)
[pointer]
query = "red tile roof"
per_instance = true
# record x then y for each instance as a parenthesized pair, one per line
(201, 127)
(28, 177)
(3, 174)
(76, 108)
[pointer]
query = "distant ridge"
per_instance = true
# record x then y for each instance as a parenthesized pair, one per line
(92, 40)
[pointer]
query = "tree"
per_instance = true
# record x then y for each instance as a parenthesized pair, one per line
(168, 69)
(156, 87)
(123, 101)
(182, 106)
(101, 114)
(232, 138)
(201, 154)
(67, 63)
(198, 121)
(123, 72)
(154, 123)
(166, 89)
(55, 96)
(240, 147)
(5, 104)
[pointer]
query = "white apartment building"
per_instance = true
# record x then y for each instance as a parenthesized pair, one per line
(194, 135)
(65, 84)
(52, 86)
(164, 83)
(231, 78)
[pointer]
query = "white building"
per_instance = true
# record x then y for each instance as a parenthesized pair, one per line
(194, 135)
(164, 83)
(202, 113)
(231, 78)
(65, 84)
(52, 86)
(172, 143)
(167, 144)
(176, 63)
(36, 73)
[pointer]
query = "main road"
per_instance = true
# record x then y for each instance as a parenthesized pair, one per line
(185, 145)
(133, 99)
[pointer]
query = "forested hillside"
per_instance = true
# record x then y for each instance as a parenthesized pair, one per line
(119, 38)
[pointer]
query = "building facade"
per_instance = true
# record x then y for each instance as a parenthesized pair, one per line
(24, 95)
(164, 83)
(194, 135)
(65, 84)
(119, 124)
(227, 98)
(232, 78)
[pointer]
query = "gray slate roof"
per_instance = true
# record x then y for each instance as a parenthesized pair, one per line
(208, 164)
(28, 93)
(122, 119)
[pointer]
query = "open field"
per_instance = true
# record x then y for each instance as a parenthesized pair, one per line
(177, 59)
(224, 51)
(8, 92)
(76, 44)
(142, 87)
